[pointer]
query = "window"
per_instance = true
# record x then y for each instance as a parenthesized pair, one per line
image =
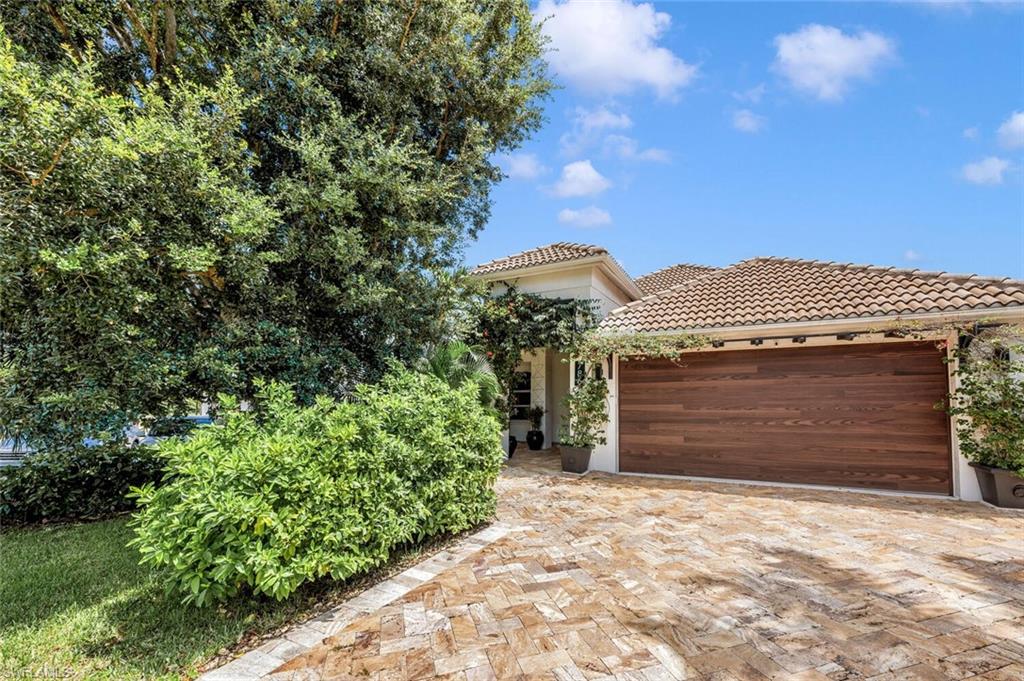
(520, 396)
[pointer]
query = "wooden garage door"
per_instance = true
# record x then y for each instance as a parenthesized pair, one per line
(854, 416)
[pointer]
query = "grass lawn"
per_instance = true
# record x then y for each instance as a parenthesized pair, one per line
(73, 599)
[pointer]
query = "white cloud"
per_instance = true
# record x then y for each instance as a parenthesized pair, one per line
(627, 149)
(823, 61)
(986, 171)
(1011, 132)
(911, 255)
(591, 216)
(601, 118)
(580, 179)
(611, 47)
(752, 95)
(588, 125)
(746, 120)
(971, 133)
(521, 166)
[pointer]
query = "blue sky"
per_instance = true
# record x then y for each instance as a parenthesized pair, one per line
(883, 133)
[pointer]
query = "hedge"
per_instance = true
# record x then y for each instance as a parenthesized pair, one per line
(283, 495)
(84, 483)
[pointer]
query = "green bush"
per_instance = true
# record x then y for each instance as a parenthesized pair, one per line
(989, 401)
(80, 483)
(286, 494)
(587, 413)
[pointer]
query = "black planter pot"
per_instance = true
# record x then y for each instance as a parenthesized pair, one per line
(575, 459)
(535, 439)
(1000, 487)
(512, 444)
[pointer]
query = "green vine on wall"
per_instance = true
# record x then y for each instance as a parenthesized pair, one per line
(587, 413)
(587, 403)
(514, 322)
(989, 401)
(595, 347)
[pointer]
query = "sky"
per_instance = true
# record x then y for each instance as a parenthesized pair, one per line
(881, 133)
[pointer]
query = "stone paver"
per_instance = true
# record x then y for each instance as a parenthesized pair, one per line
(649, 579)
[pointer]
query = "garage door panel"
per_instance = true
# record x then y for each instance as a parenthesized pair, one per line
(734, 394)
(793, 436)
(903, 414)
(861, 416)
(917, 480)
(710, 462)
(819, 448)
(790, 461)
(763, 382)
(734, 455)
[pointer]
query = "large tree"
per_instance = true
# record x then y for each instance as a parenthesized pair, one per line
(297, 211)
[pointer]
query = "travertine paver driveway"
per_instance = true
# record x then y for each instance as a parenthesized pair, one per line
(658, 579)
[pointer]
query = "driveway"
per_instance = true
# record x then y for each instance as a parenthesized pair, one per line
(652, 579)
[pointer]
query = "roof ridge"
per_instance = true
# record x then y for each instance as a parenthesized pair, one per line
(769, 290)
(591, 248)
(678, 264)
(891, 269)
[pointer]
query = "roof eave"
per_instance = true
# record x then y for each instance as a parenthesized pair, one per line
(612, 268)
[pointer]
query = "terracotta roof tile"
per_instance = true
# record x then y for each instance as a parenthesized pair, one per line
(671, 276)
(780, 290)
(552, 253)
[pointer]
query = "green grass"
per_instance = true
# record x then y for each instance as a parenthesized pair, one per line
(74, 599)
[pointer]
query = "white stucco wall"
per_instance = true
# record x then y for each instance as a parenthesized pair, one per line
(583, 283)
(563, 284)
(965, 481)
(606, 457)
(607, 293)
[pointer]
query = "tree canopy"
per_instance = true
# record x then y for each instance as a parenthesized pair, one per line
(196, 195)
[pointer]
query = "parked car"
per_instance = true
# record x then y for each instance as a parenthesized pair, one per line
(176, 426)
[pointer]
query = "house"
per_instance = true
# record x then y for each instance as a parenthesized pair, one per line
(819, 373)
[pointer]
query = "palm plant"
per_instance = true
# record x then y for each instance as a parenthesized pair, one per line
(457, 363)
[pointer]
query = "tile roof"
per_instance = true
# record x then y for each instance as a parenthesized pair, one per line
(668, 277)
(779, 290)
(559, 252)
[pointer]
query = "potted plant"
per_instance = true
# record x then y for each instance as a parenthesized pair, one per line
(535, 436)
(587, 414)
(989, 409)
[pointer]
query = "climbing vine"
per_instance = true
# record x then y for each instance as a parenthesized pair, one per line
(595, 347)
(989, 402)
(513, 322)
(587, 411)
(587, 403)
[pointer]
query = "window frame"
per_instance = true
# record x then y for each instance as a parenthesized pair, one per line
(518, 408)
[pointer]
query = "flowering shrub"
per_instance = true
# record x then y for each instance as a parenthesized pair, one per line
(513, 322)
(286, 494)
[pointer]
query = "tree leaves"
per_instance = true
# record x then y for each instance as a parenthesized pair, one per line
(111, 269)
(240, 190)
